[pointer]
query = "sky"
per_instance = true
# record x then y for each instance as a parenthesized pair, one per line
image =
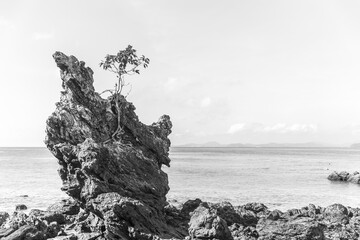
(228, 71)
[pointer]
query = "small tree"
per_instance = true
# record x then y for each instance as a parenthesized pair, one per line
(125, 62)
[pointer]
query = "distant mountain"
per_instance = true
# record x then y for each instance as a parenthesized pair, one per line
(239, 145)
(355, 145)
(308, 145)
(208, 144)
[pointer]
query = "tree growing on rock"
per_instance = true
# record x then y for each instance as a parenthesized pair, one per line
(125, 62)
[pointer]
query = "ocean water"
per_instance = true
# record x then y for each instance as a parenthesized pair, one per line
(28, 171)
(281, 178)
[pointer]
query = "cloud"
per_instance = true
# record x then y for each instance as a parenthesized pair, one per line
(171, 84)
(205, 102)
(4, 23)
(42, 36)
(236, 128)
(275, 128)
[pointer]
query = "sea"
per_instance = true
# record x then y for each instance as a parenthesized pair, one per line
(281, 178)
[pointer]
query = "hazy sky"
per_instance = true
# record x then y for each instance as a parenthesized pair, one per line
(227, 71)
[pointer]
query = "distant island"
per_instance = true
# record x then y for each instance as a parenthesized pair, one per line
(245, 145)
(355, 145)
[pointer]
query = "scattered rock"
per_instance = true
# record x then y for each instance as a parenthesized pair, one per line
(20, 207)
(206, 224)
(4, 232)
(3, 217)
(118, 189)
(18, 219)
(124, 172)
(299, 228)
(25, 232)
(336, 213)
(345, 177)
(65, 206)
(47, 216)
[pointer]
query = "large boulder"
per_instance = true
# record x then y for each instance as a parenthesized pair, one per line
(345, 177)
(205, 223)
(118, 178)
(299, 228)
(336, 213)
(65, 206)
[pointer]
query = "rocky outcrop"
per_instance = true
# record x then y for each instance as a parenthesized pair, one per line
(193, 220)
(3, 217)
(345, 177)
(117, 179)
(118, 189)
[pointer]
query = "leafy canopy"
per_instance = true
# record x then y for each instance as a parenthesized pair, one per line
(125, 62)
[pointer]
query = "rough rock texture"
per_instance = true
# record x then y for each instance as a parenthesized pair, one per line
(345, 177)
(205, 223)
(3, 217)
(118, 190)
(20, 207)
(193, 220)
(119, 181)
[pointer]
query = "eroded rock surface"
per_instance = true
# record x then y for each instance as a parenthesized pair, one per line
(192, 220)
(345, 177)
(118, 179)
(118, 190)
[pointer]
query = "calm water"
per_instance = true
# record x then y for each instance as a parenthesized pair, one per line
(281, 178)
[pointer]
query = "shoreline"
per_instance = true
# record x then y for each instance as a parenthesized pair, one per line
(111, 167)
(67, 220)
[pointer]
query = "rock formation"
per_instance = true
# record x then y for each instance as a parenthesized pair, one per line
(118, 190)
(121, 180)
(345, 177)
(193, 220)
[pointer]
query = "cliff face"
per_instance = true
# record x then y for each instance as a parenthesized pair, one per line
(113, 179)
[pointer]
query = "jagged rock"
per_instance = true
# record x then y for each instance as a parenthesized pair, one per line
(274, 215)
(47, 216)
(27, 232)
(119, 189)
(18, 219)
(240, 232)
(3, 217)
(52, 230)
(299, 228)
(258, 208)
(354, 178)
(248, 217)
(227, 212)
(120, 180)
(4, 232)
(190, 206)
(336, 213)
(20, 207)
(345, 177)
(66, 206)
(206, 224)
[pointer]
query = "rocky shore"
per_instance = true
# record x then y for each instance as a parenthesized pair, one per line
(345, 177)
(118, 190)
(194, 219)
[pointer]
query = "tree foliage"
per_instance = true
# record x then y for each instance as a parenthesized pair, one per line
(125, 62)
